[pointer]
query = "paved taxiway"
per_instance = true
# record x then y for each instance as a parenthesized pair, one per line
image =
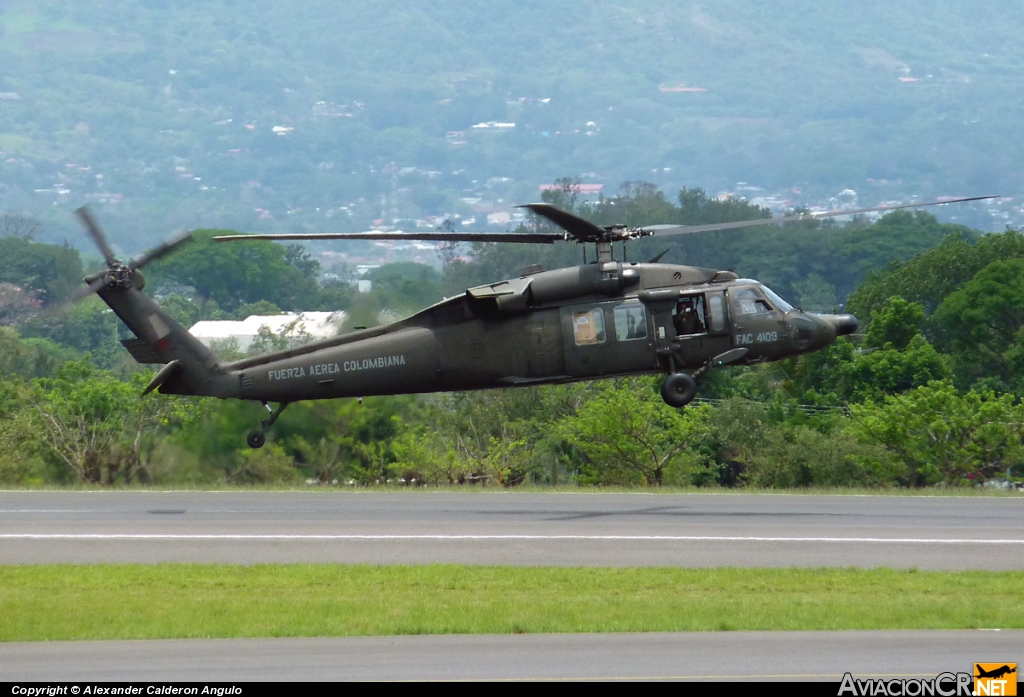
(514, 528)
(821, 656)
(693, 530)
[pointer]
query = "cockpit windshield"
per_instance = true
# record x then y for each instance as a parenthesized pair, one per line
(776, 299)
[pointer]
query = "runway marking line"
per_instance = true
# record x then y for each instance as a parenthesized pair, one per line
(631, 678)
(637, 538)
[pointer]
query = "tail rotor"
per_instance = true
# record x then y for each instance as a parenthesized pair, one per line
(118, 274)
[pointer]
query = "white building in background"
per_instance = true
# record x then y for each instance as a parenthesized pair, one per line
(317, 325)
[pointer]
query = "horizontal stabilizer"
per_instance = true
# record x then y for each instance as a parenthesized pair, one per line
(142, 351)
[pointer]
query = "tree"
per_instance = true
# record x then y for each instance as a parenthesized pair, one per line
(637, 203)
(697, 208)
(982, 322)
(267, 341)
(18, 226)
(628, 435)
(323, 456)
(267, 465)
(17, 304)
(431, 454)
(816, 294)
(48, 271)
(20, 461)
(873, 374)
(940, 435)
(844, 373)
(296, 256)
(262, 308)
(30, 358)
(405, 287)
(897, 236)
(88, 326)
(934, 274)
(777, 445)
(895, 323)
(182, 309)
(564, 195)
(98, 426)
(234, 274)
(490, 433)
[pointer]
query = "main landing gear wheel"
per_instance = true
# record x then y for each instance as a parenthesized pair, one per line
(678, 390)
(256, 439)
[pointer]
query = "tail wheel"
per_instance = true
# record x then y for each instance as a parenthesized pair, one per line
(256, 439)
(679, 389)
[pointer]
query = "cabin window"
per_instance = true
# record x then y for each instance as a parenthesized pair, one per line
(630, 322)
(588, 327)
(689, 317)
(717, 312)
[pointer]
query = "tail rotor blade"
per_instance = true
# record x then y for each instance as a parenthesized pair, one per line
(97, 234)
(81, 294)
(177, 240)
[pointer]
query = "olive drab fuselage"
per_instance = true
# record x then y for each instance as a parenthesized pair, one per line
(563, 325)
(597, 320)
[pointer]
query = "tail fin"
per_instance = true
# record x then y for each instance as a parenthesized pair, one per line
(191, 368)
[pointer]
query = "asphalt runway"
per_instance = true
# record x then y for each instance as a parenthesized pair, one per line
(817, 656)
(566, 529)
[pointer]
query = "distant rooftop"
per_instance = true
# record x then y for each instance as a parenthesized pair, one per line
(318, 325)
(578, 188)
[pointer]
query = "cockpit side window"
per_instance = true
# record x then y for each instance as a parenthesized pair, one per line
(746, 301)
(776, 299)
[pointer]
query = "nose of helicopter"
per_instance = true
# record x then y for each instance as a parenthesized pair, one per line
(844, 324)
(811, 332)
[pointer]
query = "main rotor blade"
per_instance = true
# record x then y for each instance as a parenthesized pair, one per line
(180, 238)
(522, 238)
(580, 229)
(96, 233)
(665, 230)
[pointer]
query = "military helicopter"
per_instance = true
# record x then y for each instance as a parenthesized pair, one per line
(601, 319)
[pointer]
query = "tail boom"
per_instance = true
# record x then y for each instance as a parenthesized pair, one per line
(161, 339)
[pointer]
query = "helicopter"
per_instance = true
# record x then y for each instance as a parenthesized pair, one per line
(607, 318)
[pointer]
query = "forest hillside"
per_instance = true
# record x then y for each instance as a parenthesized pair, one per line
(319, 115)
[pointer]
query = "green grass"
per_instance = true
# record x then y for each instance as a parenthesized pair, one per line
(55, 602)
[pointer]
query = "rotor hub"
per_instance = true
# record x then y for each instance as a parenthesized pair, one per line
(120, 275)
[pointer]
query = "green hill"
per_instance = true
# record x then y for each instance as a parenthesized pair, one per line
(286, 115)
